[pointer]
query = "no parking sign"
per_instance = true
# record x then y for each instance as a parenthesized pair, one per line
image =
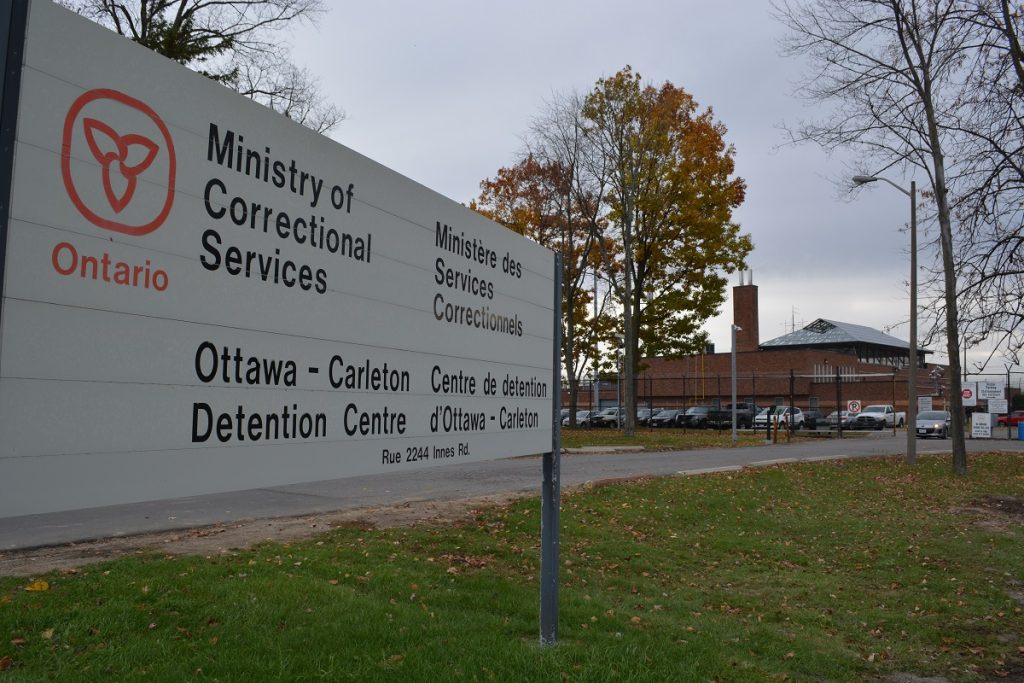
(853, 406)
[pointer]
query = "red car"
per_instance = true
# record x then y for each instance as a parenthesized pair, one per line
(1013, 419)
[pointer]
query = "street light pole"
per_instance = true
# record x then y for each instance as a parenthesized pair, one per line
(912, 351)
(735, 329)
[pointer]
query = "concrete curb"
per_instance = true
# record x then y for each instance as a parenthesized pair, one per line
(602, 450)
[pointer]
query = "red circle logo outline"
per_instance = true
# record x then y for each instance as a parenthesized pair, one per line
(65, 161)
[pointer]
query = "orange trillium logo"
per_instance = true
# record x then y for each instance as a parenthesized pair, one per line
(118, 162)
(109, 147)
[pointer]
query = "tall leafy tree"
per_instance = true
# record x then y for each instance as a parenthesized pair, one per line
(670, 192)
(235, 42)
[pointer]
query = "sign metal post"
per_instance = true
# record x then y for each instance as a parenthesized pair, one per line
(551, 486)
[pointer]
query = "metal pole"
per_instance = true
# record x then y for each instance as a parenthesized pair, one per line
(595, 405)
(1008, 411)
(839, 402)
(551, 485)
(618, 389)
(733, 369)
(911, 411)
(912, 379)
(792, 404)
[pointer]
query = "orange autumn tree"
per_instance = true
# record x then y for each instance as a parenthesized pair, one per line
(670, 192)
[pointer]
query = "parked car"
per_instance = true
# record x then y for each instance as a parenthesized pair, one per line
(644, 415)
(813, 419)
(722, 417)
(845, 417)
(667, 418)
(609, 417)
(933, 423)
(1011, 420)
(583, 418)
(879, 417)
(698, 417)
(785, 416)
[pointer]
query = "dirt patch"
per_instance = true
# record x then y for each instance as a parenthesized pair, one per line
(1007, 505)
(224, 538)
(996, 512)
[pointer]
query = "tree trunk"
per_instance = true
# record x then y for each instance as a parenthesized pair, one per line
(956, 401)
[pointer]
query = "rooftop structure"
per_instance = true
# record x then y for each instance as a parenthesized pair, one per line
(866, 343)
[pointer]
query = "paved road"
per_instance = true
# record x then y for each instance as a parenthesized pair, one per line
(451, 482)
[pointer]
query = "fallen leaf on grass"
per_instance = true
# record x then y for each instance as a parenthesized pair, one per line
(37, 586)
(789, 655)
(47, 634)
(6, 663)
(18, 641)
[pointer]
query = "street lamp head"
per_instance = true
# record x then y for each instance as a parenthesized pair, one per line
(863, 179)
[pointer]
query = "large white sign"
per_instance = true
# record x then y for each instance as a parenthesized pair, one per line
(998, 406)
(988, 390)
(981, 426)
(969, 391)
(203, 296)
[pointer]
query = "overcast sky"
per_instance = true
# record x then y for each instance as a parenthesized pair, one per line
(443, 92)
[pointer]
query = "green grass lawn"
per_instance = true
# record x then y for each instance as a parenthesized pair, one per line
(830, 571)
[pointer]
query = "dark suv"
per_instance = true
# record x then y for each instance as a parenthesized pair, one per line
(698, 417)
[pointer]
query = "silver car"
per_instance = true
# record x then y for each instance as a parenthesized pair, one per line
(932, 423)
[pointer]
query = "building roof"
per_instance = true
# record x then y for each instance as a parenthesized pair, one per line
(823, 332)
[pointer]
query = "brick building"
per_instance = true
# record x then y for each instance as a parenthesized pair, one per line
(825, 364)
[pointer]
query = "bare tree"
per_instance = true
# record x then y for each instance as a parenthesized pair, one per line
(990, 205)
(277, 83)
(558, 138)
(895, 70)
(551, 196)
(235, 42)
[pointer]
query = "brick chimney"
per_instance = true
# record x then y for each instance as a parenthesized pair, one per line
(744, 313)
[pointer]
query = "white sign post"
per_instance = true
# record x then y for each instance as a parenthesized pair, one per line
(998, 406)
(989, 390)
(981, 426)
(969, 392)
(202, 296)
(924, 403)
